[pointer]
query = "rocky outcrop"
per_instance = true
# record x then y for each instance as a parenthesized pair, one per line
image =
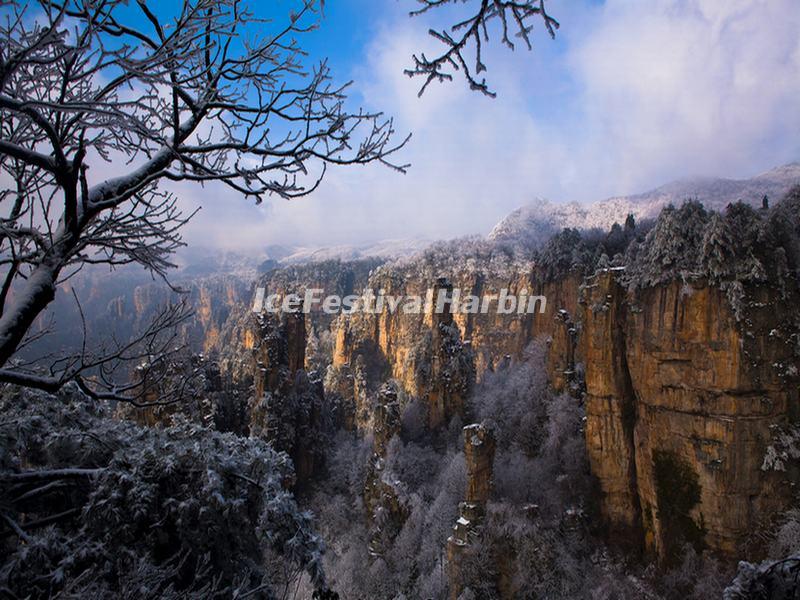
(683, 394)
(288, 405)
(680, 395)
(279, 352)
(451, 373)
(772, 579)
(682, 400)
(124, 304)
(479, 449)
(387, 419)
(438, 356)
(386, 513)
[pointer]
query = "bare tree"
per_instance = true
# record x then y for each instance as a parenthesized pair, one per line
(102, 101)
(463, 43)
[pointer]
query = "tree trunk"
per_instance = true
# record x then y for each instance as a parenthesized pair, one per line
(38, 291)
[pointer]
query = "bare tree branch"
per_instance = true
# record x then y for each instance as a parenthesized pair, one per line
(157, 356)
(99, 106)
(468, 35)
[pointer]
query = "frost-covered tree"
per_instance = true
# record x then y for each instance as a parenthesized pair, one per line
(735, 249)
(672, 248)
(630, 223)
(463, 41)
(719, 249)
(95, 507)
(565, 252)
(746, 227)
(774, 579)
(616, 240)
(782, 230)
(738, 246)
(102, 103)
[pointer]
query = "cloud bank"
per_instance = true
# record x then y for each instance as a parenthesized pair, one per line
(630, 95)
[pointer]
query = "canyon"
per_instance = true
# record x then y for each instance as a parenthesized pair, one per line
(685, 387)
(676, 391)
(682, 399)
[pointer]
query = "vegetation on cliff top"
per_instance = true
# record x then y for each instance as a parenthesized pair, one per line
(743, 245)
(733, 249)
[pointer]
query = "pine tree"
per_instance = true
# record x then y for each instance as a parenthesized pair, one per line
(672, 249)
(616, 240)
(718, 250)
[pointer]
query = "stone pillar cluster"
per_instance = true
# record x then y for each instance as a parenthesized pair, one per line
(479, 449)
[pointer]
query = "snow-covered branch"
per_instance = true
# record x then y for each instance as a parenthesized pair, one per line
(102, 102)
(464, 40)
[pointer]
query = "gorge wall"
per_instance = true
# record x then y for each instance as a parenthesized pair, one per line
(682, 399)
(682, 402)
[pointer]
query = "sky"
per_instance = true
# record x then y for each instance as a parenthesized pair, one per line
(630, 95)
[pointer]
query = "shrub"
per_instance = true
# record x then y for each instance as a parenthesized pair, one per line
(104, 508)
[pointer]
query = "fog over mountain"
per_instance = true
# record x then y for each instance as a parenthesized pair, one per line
(541, 218)
(532, 224)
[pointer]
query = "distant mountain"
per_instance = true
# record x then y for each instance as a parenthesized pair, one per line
(198, 262)
(387, 249)
(538, 221)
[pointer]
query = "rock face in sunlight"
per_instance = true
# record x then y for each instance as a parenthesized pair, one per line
(610, 407)
(438, 356)
(669, 370)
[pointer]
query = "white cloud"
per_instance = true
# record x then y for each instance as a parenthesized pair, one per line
(631, 95)
(696, 86)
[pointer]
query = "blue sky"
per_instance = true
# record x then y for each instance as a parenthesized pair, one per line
(630, 95)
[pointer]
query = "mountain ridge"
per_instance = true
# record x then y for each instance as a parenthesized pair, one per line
(533, 223)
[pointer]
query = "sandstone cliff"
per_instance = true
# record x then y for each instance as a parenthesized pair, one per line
(437, 356)
(682, 400)
(681, 397)
(684, 389)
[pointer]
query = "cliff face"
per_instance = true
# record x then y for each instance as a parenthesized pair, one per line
(240, 334)
(287, 405)
(681, 404)
(124, 304)
(681, 398)
(611, 407)
(437, 356)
